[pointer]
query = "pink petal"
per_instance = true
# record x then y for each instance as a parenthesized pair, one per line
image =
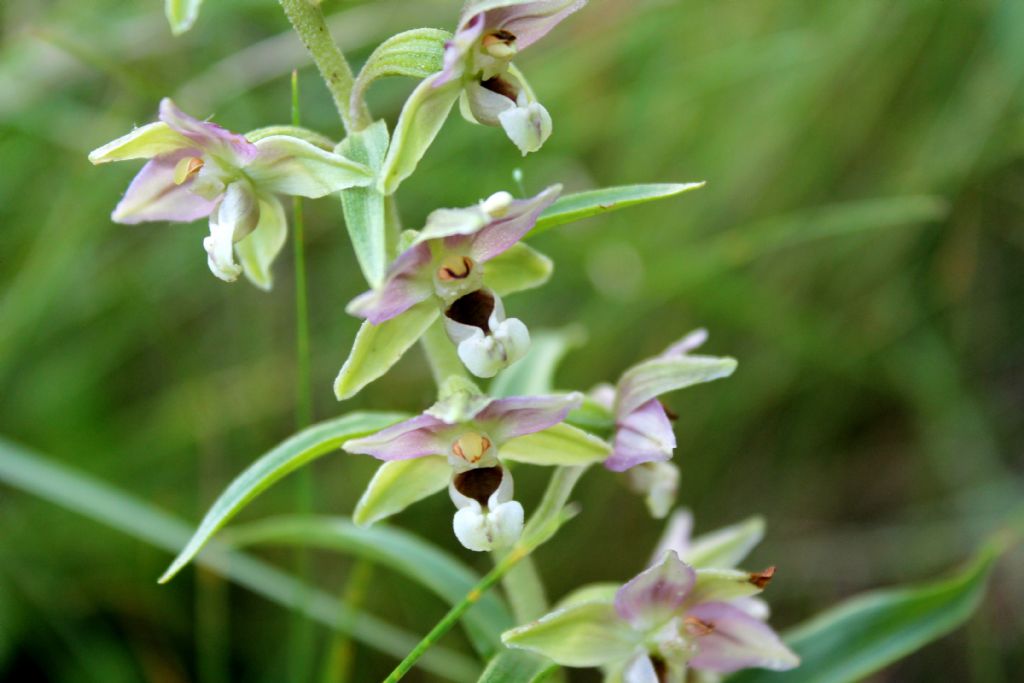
(458, 48)
(676, 536)
(656, 594)
(413, 438)
(499, 235)
(154, 196)
(507, 418)
(737, 641)
(644, 435)
(531, 21)
(209, 136)
(407, 283)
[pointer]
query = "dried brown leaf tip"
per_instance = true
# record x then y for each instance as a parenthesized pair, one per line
(762, 578)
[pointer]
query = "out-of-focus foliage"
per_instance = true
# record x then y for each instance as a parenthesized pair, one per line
(858, 248)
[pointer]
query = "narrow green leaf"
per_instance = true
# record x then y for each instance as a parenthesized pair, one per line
(107, 505)
(400, 483)
(517, 269)
(853, 640)
(535, 374)
(419, 123)
(378, 347)
(581, 205)
(182, 14)
(397, 550)
(562, 445)
(517, 666)
(416, 53)
(285, 458)
(364, 206)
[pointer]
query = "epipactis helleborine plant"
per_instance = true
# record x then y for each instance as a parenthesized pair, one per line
(446, 263)
(469, 430)
(643, 441)
(670, 618)
(197, 169)
(494, 92)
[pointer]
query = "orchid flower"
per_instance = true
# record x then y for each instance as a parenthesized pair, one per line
(446, 263)
(469, 430)
(490, 34)
(666, 620)
(643, 441)
(197, 169)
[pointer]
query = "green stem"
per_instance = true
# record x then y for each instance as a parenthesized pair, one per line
(341, 653)
(308, 21)
(525, 591)
(518, 553)
(301, 635)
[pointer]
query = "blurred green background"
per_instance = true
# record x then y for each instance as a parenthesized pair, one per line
(858, 247)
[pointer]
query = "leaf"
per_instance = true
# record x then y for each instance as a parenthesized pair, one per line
(182, 14)
(574, 207)
(587, 634)
(378, 347)
(417, 53)
(107, 505)
(364, 206)
(419, 123)
(562, 445)
(517, 269)
(397, 550)
(285, 458)
(534, 375)
(853, 640)
(517, 666)
(400, 483)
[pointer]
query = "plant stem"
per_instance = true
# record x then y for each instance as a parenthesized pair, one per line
(300, 642)
(518, 552)
(308, 21)
(525, 591)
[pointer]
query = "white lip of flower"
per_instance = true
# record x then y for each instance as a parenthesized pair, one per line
(485, 351)
(528, 125)
(658, 482)
(480, 528)
(234, 218)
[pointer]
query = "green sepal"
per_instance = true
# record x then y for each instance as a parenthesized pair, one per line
(587, 634)
(726, 547)
(419, 123)
(181, 14)
(722, 585)
(562, 445)
(517, 269)
(398, 484)
(364, 206)
(592, 592)
(378, 347)
(574, 207)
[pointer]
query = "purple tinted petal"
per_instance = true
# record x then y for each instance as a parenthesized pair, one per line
(676, 536)
(458, 48)
(502, 233)
(507, 418)
(656, 594)
(406, 284)
(154, 196)
(735, 640)
(413, 438)
(209, 136)
(690, 342)
(531, 21)
(644, 435)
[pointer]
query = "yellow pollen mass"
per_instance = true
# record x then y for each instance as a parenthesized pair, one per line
(187, 168)
(471, 447)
